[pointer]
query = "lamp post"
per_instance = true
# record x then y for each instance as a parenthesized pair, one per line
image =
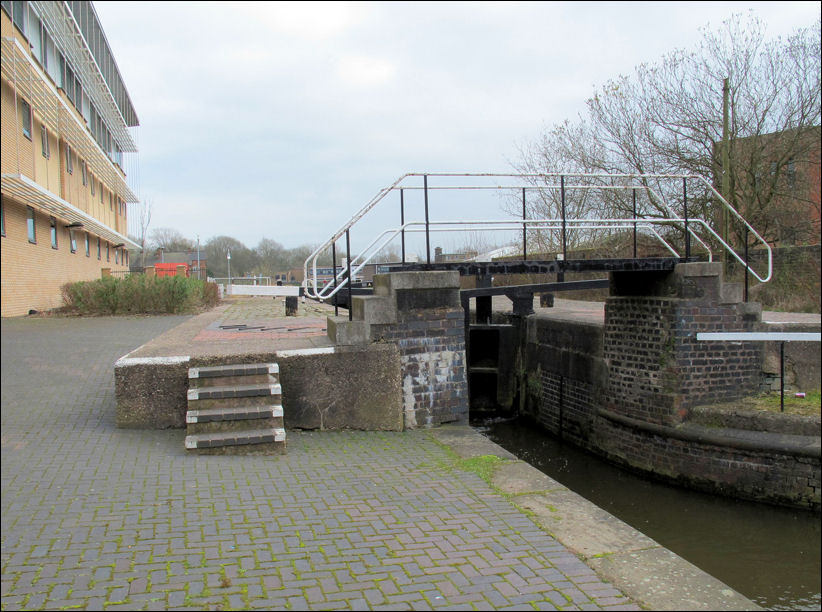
(198, 257)
(228, 258)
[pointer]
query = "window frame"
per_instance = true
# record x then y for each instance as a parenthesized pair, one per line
(69, 162)
(44, 141)
(72, 241)
(26, 118)
(53, 232)
(31, 225)
(88, 246)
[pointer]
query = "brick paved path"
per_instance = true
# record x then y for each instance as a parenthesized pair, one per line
(99, 518)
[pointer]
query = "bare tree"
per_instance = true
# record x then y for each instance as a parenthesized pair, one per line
(144, 221)
(667, 118)
(170, 240)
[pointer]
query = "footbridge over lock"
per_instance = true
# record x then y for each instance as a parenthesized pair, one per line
(625, 388)
(620, 231)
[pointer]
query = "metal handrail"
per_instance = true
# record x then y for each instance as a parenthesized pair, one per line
(356, 263)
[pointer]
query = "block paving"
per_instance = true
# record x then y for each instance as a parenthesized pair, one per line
(95, 517)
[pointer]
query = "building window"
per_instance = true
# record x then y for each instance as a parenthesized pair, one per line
(98, 247)
(791, 174)
(32, 230)
(44, 141)
(53, 230)
(92, 185)
(101, 192)
(84, 168)
(110, 201)
(25, 116)
(117, 256)
(19, 15)
(108, 252)
(88, 245)
(2, 216)
(73, 241)
(69, 162)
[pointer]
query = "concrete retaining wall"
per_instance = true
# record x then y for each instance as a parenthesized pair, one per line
(326, 388)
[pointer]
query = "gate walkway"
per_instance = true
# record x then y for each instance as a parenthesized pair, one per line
(95, 517)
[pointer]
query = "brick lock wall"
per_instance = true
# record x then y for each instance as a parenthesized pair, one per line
(658, 369)
(567, 407)
(773, 477)
(432, 356)
(621, 389)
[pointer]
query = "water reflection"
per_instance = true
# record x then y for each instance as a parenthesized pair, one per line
(769, 554)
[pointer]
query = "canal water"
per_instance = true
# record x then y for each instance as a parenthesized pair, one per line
(769, 554)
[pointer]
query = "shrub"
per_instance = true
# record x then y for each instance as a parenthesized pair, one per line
(139, 294)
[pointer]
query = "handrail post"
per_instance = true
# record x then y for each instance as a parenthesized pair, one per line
(562, 197)
(633, 193)
(747, 265)
(348, 263)
(685, 206)
(334, 275)
(427, 237)
(524, 239)
(402, 223)
(782, 377)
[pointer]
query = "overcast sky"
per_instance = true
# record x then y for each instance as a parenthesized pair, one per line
(282, 120)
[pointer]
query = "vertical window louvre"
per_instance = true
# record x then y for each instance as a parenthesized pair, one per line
(99, 246)
(53, 230)
(72, 241)
(92, 185)
(32, 230)
(108, 252)
(69, 164)
(88, 246)
(84, 168)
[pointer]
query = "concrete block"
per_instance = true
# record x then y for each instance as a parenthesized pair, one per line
(374, 309)
(343, 332)
(731, 293)
(384, 284)
(700, 268)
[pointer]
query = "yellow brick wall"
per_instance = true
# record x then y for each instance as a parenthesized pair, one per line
(32, 274)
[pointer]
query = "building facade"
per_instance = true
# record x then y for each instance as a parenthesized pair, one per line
(66, 116)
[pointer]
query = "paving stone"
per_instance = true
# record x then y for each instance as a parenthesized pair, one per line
(95, 515)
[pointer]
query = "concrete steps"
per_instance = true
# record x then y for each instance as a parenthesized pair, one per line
(235, 409)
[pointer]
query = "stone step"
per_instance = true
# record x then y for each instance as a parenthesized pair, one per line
(267, 441)
(239, 418)
(239, 369)
(239, 413)
(228, 375)
(234, 391)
